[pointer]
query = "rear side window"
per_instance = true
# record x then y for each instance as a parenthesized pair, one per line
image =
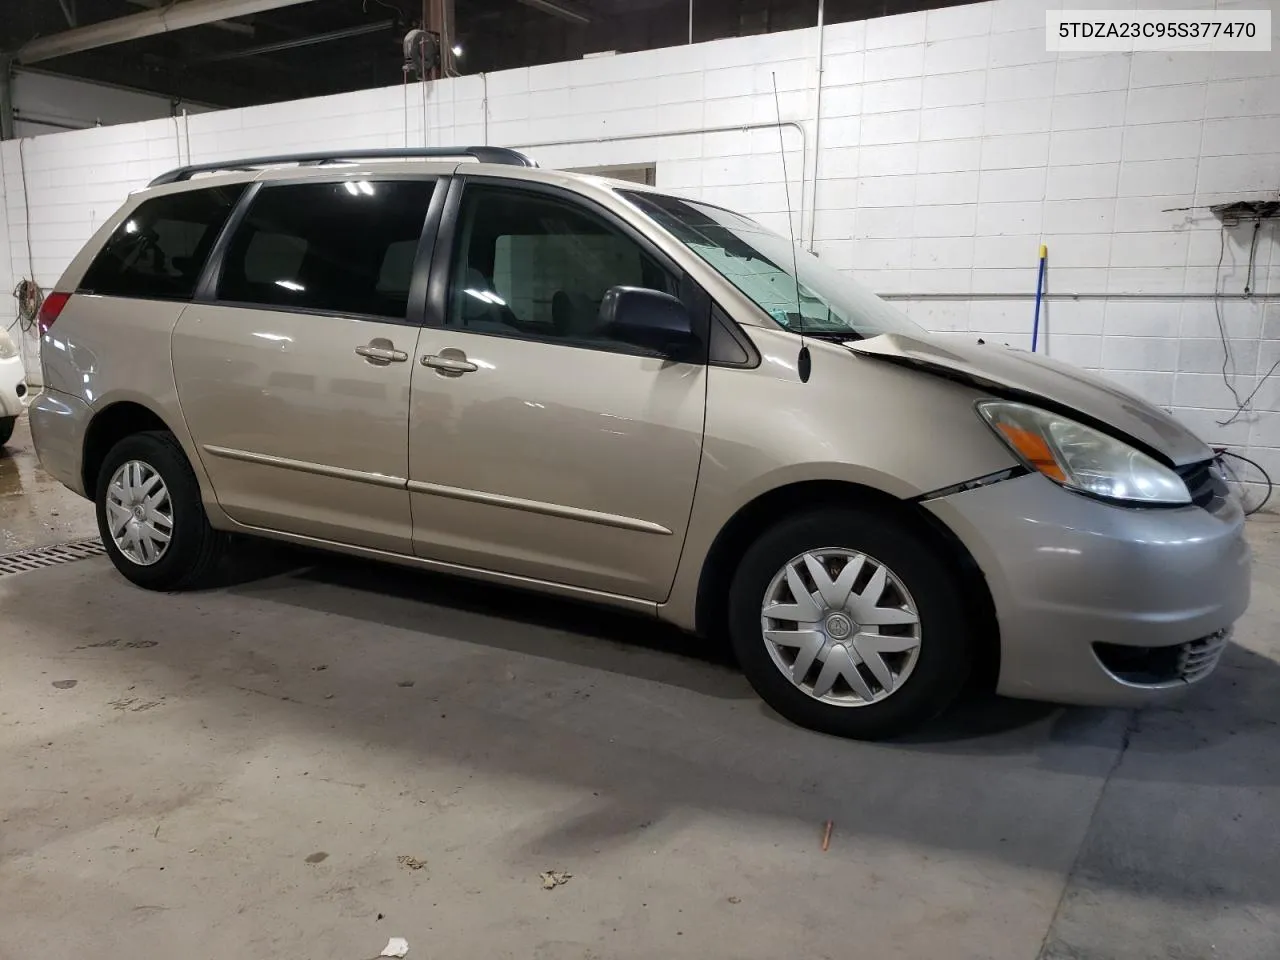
(159, 251)
(344, 248)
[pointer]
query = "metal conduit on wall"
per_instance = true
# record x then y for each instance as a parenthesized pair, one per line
(734, 128)
(1173, 297)
(810, 177)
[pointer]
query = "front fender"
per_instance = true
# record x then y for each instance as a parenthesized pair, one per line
(857, 421)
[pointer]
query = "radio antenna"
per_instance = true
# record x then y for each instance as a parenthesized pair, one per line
(804, 362)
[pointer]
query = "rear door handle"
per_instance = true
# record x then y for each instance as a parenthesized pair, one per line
(449, 366)
(381, 352)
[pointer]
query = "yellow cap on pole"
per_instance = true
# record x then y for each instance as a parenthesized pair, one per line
(1044, 251)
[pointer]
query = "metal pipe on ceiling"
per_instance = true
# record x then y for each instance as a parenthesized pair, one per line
(693, 132)
(356, 31)
(6, 97)
(817, 127)
(557, 9)
(180, 16)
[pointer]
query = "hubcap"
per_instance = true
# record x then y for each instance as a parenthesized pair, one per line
(139, 513)
(841, 626)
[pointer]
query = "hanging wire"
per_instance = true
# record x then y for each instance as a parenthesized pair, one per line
(30, 298)
(1253, 252)
(1221, 453)
(1222, 326)
(26, 205)
(27, 292)
(1241, 405)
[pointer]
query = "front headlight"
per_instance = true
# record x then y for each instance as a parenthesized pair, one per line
(8, 349)
(1082, 458)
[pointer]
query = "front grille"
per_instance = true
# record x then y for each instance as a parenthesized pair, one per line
(1198, 658)
(1154, 666)
(1204, 482)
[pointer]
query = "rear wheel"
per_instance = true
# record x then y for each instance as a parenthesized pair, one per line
(6, 429)
(848, 621)
(151, 517)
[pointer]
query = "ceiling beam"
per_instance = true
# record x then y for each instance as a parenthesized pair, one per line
(177, 16)
(357, 31)
(229, 25)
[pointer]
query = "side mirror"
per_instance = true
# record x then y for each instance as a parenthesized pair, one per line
(650, 319)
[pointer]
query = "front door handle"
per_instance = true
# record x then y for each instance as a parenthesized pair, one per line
(380, 351)
(454, 363)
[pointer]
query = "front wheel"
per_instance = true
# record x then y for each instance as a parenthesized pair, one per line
(6, 429)
(151, 517)
(847, 621)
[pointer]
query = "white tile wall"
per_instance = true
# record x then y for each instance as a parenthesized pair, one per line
(1166, 104)
(940, 188)
(955, 89)
(1100, 145)
(952, 145)
(1030, 81)
(1018, 150)
(951, 123)
(1088, 111)
(1027, 183)
(953, 156)
(1240, 98)
(893, 63)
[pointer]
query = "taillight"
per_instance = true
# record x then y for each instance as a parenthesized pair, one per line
(50, 309)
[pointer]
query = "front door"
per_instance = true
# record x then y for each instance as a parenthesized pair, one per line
(539, 446)
(294, 379)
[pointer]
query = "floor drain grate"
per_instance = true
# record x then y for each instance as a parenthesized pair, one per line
(29, 560)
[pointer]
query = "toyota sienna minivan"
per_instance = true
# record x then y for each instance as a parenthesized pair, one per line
(455, 360)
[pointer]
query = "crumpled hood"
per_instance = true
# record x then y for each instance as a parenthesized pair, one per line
(1035, 378)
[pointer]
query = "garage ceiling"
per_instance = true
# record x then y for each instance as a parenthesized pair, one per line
(320, 47)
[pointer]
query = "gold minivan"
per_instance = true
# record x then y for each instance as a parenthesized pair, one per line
(455, 360)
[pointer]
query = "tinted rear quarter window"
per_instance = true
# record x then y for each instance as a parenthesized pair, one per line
(345, 248)
(157, 253)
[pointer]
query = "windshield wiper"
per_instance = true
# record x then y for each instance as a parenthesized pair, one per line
(830, 335)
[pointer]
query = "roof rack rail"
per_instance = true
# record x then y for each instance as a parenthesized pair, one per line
(483, 154)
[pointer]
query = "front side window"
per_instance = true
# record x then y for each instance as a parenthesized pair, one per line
(344, 248)
(532, 265)
(822, 302)
(157, 253)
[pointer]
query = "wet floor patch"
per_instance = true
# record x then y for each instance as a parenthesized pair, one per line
(35, 509)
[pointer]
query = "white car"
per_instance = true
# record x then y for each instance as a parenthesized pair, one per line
(13, 385)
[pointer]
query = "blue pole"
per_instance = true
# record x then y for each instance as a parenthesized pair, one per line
(1035, 327)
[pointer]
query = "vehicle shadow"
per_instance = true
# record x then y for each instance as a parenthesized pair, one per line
(449, 676)
(579, 633)
(1243, 696)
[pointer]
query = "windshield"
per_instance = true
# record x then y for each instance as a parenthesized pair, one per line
(758, 262)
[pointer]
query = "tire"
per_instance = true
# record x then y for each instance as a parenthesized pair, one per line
(918, 583)
(193, 549)
(6, 429)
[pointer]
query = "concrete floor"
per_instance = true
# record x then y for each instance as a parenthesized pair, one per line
(35, 509)
(238, 773)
